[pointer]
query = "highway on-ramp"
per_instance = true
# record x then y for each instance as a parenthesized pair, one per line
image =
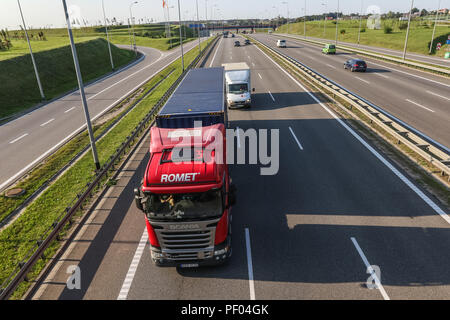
(30, 138)
(336, 207)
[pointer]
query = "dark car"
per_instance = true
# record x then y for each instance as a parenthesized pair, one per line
(355, 65)
(237, 44)
(232, 35)
(247, 41)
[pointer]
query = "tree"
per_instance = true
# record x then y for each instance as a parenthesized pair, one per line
(414, 10)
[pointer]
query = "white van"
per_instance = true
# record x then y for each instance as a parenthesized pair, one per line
(281, 43)
(238, 84)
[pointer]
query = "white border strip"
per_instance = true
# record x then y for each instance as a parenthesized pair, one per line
(133, 267)
(370, 269)
(251, 282)
(424, 197)
(295, 137)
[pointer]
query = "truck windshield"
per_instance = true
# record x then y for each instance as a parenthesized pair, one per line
(184, 206)
(238, 88)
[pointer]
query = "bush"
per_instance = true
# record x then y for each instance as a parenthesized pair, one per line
(387, 29)
(363, 30)
(342, 31)
(403, 26)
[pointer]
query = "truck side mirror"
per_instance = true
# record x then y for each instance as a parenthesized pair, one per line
(137, 198)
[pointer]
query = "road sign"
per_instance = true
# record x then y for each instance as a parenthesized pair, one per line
(438, 47)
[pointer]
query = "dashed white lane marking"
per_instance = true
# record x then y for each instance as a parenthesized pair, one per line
(369, 268)
(133, 267)
(253, 64)
(382, 75)
(270, 93)
(259, 76)
(46, 123)
(17, 139)
(251, 281)
(329, 65)
(419, 105)
(362, 80)
(438, 95)
(405, 180)
(238, 137)
(295, 137)
(68, 110)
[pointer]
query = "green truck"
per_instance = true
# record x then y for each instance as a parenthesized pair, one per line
(329, 48)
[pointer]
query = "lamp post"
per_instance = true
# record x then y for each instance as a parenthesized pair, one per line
(198, 28)
(407, 31)
(360, 21)
(337, 22)
(31, 54)
(181, 37)
(435, 23)
(81, 86)
(107, 36)
(132, 26)
(324, 19)
(287, 6)
(304, 21)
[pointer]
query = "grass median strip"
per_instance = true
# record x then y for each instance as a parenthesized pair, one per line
(18, 238)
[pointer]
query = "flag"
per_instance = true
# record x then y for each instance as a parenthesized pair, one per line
(164, 3)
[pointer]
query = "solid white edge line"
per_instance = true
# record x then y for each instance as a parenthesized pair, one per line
(370, 269)
(46, 123)
(251, 281)
(17, 139)
(419, 105)
(80, 128)
(424, 197)
(215, 53)
(295, 137)
(270, 93)
(133, 267)
(438, 95)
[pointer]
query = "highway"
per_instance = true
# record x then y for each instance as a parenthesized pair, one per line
(419, 99)
(309, 232)
(30, 138)
(442, 62)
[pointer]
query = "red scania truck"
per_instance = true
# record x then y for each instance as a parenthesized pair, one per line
(186, 193)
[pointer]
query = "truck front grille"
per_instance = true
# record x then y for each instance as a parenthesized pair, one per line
(186, 239)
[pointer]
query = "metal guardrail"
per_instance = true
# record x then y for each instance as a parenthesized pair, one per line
(443, 71)
(34, 254)
(425, 148)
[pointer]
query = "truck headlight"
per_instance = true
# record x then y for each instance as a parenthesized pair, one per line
(249, 100)
(221, 251)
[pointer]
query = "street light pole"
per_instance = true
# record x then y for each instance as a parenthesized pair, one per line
(434, 28)
(337, 22)
(132, 27)
(324, 19)
(287, 6)
(407, 31)
(198, 28)
(304, 25)
(31, 54)
(181, 37)
(107, 36)
(360, 21)
(81, 86)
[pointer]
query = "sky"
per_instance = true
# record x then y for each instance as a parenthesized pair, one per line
(41, 13)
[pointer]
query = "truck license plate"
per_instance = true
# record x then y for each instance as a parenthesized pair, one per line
(189, 265)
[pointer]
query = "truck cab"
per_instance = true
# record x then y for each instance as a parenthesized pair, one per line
(187, 196)
(238, 85)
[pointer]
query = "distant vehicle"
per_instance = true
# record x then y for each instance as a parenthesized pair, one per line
(355, 65)
(329, 49)
(238, 84)
(247, 41)
(281, 43)
(232, 35)
(270, 31)
(237, 44)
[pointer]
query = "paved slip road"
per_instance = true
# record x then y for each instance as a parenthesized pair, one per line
(31, 137)
(442, 62)
(419, 99)
(335, 205)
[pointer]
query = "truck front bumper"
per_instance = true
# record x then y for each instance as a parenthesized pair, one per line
(220, 255)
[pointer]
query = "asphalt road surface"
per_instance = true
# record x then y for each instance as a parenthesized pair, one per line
(28, 139)
(335, 207)
(442, 62)
(419, 99)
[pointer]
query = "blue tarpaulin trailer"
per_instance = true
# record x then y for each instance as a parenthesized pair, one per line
(199, 97)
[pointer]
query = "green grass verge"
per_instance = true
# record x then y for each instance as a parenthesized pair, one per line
(18, 238)
(57, 73)
(419, 37)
